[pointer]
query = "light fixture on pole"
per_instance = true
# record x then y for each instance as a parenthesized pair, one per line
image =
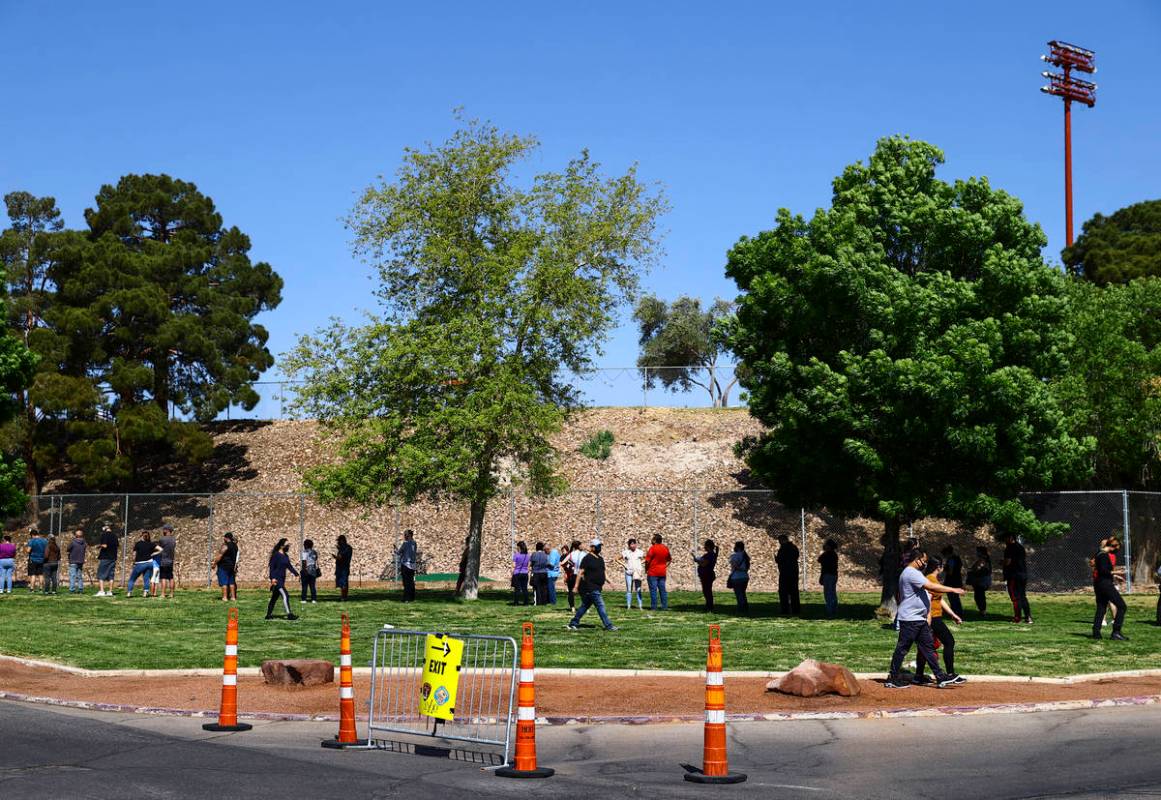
(1069, 57)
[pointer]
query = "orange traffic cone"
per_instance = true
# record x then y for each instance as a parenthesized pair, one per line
(347, 735)
(228, 714)
(715, 768)
(525, 766)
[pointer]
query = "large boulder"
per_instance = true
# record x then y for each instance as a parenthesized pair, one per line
(298, 672)
(812, 678)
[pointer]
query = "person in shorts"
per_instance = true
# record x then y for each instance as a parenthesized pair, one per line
(107, 561)
(35, 548)
(227, 567)
(165, 559)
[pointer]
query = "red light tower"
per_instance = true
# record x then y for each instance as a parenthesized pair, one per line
(1069, 57)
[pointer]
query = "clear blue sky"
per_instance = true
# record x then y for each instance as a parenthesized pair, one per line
(283, 111)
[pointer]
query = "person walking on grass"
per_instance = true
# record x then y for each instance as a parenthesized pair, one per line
(979, 577)
(828, 576)
(8, 565)
(35, 548)
(706, 561)
(789, 599)
(553, 574)
(1105, 590)
(408, 563)
(953, 572)
(51, 564)
(277, 569)
(940, 632)
(344, 554)
(166, 559)
(520, 564)
(1016, 576)
(227, 567)
(590, 581)
(573, 554)
(657, 559)
(107, 561)
(633, 563)
(308, 577)
(143, 551)
(739, 578)
(538, 567)
(77, 548)
(914, 628)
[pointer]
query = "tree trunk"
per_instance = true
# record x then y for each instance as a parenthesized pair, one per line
(890, 568)
(470, 584)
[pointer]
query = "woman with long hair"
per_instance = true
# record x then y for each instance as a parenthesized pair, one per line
(343, 555)
(740, 575)
(520, 564)
(278, 567)
(705, 571)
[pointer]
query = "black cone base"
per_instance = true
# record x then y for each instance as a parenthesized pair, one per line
(335, 744)
(700, 777)
(213, 726)
(512, 772)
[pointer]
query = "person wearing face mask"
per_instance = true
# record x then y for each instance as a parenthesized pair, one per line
(1105, 589)
(914, 628)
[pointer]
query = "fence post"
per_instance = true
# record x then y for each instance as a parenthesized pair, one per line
(696, 532)
(645, 390)
(302, 522)
(124, 539)
(512, 519)
(597, 513)
(802, 529)
(1128, 542)
(210, 546)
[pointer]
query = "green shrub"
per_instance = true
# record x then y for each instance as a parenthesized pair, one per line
(599, 445)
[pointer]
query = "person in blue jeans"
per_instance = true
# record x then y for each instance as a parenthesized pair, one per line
(143, 552)
(657, 559)
(591, 579)
(553, 574)
(7, 564)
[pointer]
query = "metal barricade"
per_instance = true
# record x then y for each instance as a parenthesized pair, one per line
(484, 704)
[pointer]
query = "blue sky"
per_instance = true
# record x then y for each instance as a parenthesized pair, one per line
(283, 111)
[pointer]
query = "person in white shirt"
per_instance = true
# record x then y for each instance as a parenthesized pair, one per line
(632, 561)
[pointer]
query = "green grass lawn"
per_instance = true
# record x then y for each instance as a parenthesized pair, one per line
(104, 633)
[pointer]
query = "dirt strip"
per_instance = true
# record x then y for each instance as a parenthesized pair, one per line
(563, 697)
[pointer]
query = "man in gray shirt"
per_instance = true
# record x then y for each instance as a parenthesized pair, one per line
(408, 559)
(914, 622)
(168, 545)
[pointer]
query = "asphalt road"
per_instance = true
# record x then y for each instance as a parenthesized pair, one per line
(53, 753)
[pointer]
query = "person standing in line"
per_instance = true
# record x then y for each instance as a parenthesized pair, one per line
(633, 563)
(538, 566)
(166, 558)
(1105, 589)
(1016, 576)
(227, 567)
(408, 562)
(1156, 574)
(706, 562)
(590, 580)
(35, 548)
(155, 579)
(107, 561)
(571, 563)
(953, 572)
(657, 559)
(979, 577)
(914, 608)
(278, 567)
(939, 630)
(789, 599)
(7, 564)
(344, 554)
(553, 574)
(739, 578)
(51, 565)
(520, 564)
(828, 576)
(308, 577)
(76, 552)
(143, 551)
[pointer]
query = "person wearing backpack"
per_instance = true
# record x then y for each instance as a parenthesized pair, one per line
(310, 573)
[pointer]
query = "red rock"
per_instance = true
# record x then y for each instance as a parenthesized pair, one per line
(298, 672)
(813, 678)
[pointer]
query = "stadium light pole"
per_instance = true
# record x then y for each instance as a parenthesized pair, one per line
(1069, 57)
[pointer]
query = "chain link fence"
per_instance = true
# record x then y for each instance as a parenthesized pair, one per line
(685, 518)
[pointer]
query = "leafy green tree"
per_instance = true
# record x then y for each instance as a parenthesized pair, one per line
(490, 292)
(689, 341)
(1120, 247)
(153, 313)
(898, 349)
(1112, 391)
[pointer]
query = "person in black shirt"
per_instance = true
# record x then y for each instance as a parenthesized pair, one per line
(279, 566)
(705, 571)
(953, 572)
(227, 564)
(1106, 592)
(1016, 576)
(980, 578)
(107, 561)
(590, 580)
(787, 561)
(143, 552)
(828, 576)
(343, 554)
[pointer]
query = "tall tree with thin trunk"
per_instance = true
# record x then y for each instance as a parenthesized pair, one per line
(681, 346)
(491, 291)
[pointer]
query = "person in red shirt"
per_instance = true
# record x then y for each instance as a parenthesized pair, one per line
(657, 560)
